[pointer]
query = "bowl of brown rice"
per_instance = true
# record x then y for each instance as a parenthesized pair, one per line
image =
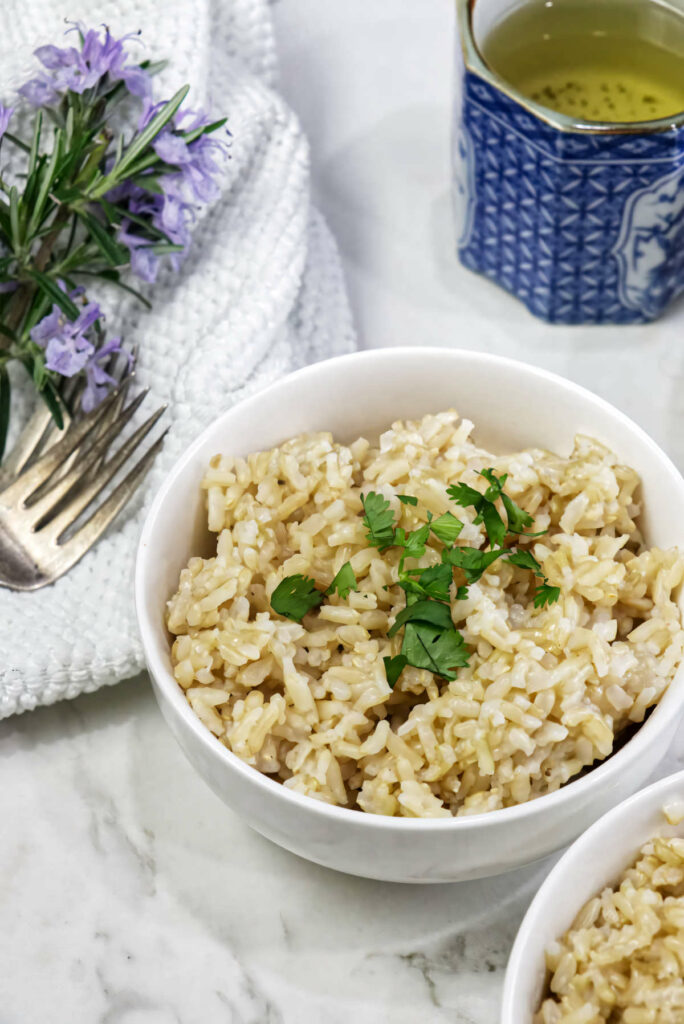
(415, 614)
(603, 939)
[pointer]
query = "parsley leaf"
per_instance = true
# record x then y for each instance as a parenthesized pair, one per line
(434, 648)
(472, 561)
(432, 582)
(394, 667)
(493, 524)
(407, 499)
(525, 560)
(295, 597)
(496, 484)
(343, 582)
(446, 528)
(545, 595)
(465, 495)
(378, 520)
(483, 504)
(518, 520)
(414, 542)
(432, 612)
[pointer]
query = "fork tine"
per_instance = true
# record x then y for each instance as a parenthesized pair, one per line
(74, 548)
(82, 466)
(76, 393)
(124, 383)
(68, 516)
(42, 470)
(27, 443)
(40, 432)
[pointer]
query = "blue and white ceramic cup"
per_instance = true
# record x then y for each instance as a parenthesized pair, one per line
(584, 222)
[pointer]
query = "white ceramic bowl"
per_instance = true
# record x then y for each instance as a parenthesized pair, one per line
(513, 406)
(596, 860)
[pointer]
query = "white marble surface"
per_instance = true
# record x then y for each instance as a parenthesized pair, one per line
(128, 893)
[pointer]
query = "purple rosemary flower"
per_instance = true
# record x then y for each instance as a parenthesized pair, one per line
(39, 91)
(67, 349)
(183, 191)
(76, 70)
(144, 262)
(5, 115)
(195, 179)
(98, 382)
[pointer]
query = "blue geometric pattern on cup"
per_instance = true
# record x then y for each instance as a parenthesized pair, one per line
(582, 228)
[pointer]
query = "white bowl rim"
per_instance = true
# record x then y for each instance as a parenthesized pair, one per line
(650, 795)
(572, 790)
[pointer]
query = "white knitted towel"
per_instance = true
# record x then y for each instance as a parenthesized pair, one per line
(260, 294)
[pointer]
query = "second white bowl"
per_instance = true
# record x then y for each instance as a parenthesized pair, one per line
(595, 861)
(513, 406)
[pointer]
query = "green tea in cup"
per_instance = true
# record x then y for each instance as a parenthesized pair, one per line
(593, 60)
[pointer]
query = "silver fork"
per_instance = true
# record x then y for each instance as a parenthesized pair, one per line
(51, 485)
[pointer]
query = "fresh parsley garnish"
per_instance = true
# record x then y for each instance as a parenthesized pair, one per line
(446, 528)
(394, 667)
(472, 561)
(545, 595)
(430, 639)
(379, 520)
(484, 506)
(525, 560)
(432, 582)
(413, 543)
(517, 520)
(343, 582)
(434, 648)
(434, 613)
(295, 597)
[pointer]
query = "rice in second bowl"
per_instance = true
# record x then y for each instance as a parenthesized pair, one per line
(623, 957)
(547, 689)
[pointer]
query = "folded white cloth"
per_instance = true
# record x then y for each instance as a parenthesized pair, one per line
(260, 294)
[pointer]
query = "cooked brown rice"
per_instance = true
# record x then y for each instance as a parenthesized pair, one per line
(622, 960)
(547, 690)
